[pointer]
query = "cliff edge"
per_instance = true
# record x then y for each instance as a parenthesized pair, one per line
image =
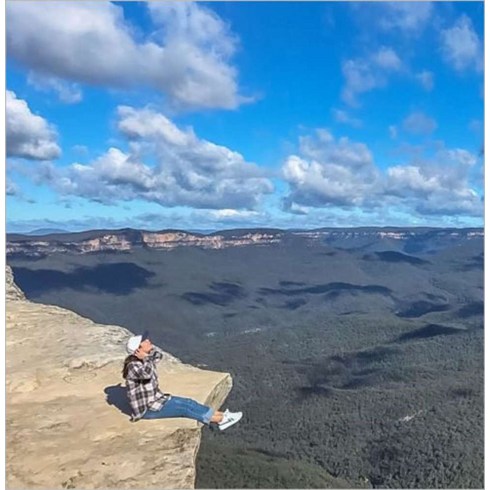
(67, 417)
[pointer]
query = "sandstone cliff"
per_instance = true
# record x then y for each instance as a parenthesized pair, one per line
(127, 240)
(67, 423)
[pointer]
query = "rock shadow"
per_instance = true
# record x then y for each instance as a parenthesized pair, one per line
(116, 396)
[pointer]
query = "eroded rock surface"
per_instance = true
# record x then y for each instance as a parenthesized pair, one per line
(67, 423)
(12, 291)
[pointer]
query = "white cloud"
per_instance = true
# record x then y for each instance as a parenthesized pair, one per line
(359, 78)
(11, 188)
(345, 118)
(189, 171)
(69, 93)
(419, 123)
(430, 191)
(232, 214)
(28, 135)
(426, 79)
(402, 178)
(186, 57)
(340, 174)
(365, 74)
(330, 172)
(408, 17)
(437, 186)
(461, 46)
(387, 58)
(457, 156)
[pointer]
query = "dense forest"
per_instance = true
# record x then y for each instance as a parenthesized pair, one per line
(354, 367)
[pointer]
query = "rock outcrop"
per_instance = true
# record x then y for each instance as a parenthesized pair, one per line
(12, 291)
(67, 423)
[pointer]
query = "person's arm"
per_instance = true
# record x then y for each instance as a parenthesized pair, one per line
(141, 370)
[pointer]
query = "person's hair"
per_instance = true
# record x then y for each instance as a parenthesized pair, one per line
(125, 368)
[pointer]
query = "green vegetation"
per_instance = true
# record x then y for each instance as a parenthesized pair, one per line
(260, 469)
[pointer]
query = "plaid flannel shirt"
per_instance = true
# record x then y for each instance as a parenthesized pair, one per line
(142, 385)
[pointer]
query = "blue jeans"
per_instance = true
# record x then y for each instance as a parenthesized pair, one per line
(178, 406)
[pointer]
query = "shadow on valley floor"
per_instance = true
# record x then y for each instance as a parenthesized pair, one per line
(471, 309)
(422, 307)
(350, 371)
(428, 331)
(395, 257)
(118, 278)
(222, 294)
(326, 288)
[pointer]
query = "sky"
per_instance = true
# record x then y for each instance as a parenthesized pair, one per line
(219, 115)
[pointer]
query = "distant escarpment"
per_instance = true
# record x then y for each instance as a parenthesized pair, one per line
(407, 240)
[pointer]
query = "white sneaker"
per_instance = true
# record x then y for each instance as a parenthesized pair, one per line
(229, 419)
(226, 417)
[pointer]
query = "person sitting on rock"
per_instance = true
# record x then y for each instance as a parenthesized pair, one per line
(145, 397)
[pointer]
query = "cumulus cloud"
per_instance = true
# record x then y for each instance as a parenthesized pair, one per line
(437, 186)
(408, 17)
(341, 174)
(365, 74)
(28, 135)
(429, 192)
(328, 172)
(187, 56)
(461, 46)
(426, 79)
(189, 171)
(419, 123)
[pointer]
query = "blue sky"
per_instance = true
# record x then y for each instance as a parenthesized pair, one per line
(222, 115)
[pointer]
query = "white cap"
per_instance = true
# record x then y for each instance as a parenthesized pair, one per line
(135, 341)
(133, 344)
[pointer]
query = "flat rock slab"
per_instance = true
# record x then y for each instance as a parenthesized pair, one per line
(67, 413)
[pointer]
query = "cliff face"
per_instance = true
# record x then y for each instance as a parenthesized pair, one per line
(127, 240)
(12, 291)
(122, 242)
(67, 423)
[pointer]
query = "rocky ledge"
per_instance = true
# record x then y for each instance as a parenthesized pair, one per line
(67, 423)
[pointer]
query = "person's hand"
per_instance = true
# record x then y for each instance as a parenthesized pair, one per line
(140, 354)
